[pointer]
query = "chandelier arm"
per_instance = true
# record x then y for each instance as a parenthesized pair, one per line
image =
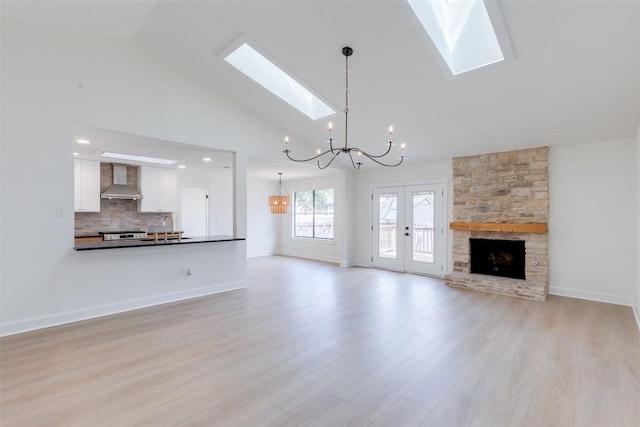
(373, 159)
(309, 159)
(372, 155)
(330, 161)
(356, 166)
(333, 150)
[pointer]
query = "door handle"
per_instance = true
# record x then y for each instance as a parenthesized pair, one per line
(406, 234)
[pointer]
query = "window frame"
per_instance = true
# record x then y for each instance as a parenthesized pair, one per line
(313, 214)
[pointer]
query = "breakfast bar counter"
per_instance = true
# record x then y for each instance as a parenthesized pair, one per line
(137, 243)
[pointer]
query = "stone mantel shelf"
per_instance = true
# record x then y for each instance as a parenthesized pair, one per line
(505, 227)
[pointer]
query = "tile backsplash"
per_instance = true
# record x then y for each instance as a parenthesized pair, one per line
(118, 215)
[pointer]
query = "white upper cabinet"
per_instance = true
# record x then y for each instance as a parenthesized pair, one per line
(86, 179)
(167, 189)
(158, 187)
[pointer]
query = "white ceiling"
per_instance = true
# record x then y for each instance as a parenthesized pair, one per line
(575, 77)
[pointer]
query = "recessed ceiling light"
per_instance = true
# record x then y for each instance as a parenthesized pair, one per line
(75, 154)
(83, 141)
(182, 167)
(258, 68)
(206, 159)
(132, 157)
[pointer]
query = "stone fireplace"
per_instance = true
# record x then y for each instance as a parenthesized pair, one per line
(500, 211)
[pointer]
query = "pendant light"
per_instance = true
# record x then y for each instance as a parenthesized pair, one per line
(279, 201)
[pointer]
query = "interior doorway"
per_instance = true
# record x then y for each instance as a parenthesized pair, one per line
(409, 228)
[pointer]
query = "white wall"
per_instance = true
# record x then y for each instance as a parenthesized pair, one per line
(324, 250)
(263, 227)
(402, 175)
(52, 80)
(592, 221)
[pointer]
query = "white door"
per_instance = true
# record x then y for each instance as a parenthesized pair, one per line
(194, 211)
(408, 228)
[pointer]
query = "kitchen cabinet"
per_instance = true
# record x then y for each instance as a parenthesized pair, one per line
(86, 180)
(158, 187)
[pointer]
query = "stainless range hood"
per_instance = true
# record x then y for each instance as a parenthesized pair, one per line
(120, 189)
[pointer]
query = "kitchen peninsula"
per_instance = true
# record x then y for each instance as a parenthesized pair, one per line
(137, 243)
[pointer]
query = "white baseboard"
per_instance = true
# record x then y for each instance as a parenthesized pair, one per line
(258, 254)
(316, 257)
(636, 312)
(347, 264)
(592, 296)
(362, 263)
(106, 310)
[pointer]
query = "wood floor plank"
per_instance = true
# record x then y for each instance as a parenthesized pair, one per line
(256, 414)
(403, 412)
(593, 406)
(469, 401)
(309, 343)
(312, 412)
(553, 400)
(378, 396)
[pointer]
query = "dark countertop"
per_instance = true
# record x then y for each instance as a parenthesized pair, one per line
(115, 244)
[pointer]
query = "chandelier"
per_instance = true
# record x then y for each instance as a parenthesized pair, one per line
(333, 152)
(279, 202)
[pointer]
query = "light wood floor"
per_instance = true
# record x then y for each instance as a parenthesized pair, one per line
(313, 344)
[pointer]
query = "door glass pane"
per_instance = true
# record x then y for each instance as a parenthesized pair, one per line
(423, 217)
(388, 225)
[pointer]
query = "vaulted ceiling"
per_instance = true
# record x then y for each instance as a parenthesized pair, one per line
(575, 76)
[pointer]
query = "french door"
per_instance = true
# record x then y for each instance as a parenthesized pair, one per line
(408, 228)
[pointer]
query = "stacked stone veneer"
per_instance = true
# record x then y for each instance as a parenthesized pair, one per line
(509, 187)
(117, 215)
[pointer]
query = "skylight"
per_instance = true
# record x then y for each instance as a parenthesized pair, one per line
(462, 32)
(134, 158)
(272, 78)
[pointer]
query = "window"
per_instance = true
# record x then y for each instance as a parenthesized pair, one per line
(313, 214)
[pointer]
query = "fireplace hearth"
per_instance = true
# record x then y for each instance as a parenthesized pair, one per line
(504, 258)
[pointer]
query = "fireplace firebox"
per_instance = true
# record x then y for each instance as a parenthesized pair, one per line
(505, 258)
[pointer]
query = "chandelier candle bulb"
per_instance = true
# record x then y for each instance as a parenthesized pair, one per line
(390, 130)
